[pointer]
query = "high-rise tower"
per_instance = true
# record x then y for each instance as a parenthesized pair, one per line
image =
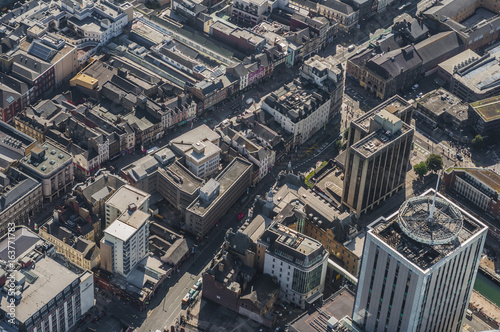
(418, 267)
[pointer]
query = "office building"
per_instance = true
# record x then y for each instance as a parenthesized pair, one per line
(418, 267)
(125, 241)
(473, 77)
(178, 185)
(203, 159)
(53, 166)
(297, 261)
(217, 196)
(51, 295)
(442, 108)
(20, 198)
(120, 201)
(479, 186)
(378, 154)
(484, 116)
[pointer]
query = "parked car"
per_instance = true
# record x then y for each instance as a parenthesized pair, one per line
(351, 48)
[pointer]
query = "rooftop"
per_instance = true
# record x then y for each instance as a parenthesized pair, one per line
(393, 105)
(127, 224)
(206, 150)
(486, 176)
(226, 179)
(407, 241)
(488, 109)
(440, 101)
(126, 195)
(45, 159)
(379, 139)
(14, 186)
(293, 246)
(199, 134)
(356, 244)
(42, 288)
(180, 175)
(480, 74)
(297, 100)
(338, 306)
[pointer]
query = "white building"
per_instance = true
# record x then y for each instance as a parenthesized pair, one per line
(125, 242)
(418, 267)
(298, 110)
(97, 22)
(50, 297)
(297, 261)
(120, 202)
(203, 159)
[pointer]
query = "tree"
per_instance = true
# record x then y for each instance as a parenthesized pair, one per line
(478, 141)
(420, 169)
(338, 145)
(346, 133)
(434, 162)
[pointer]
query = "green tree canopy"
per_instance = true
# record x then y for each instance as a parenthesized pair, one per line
(478, 141)
(420, 169)
(434, 162)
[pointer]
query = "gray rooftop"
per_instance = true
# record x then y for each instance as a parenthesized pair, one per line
(226, 179)
(420, 254)
(46, 159)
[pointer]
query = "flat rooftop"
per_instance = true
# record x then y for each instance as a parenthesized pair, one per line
(45, 272)
(201, 133)
(356, 244)
(54, 157)
(126, 195)
(10, 136)
(420, 254)
(127, 224)
(394, 106)
(226, 179)
(486, 176)
(488, 109)
(338, 305)
(297, 100)
(439, 101)
(482, 74)
(378, 140)
(210, 150)
(184, 179)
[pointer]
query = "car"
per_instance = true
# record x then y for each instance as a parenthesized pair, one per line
(415, 87)
(460, 157)
(249, 101)
(240, 216)
(351, 48)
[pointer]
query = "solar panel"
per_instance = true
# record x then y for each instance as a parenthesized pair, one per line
(10, 99)
(41, 51)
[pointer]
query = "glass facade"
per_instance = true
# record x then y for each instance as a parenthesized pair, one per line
(304, 282)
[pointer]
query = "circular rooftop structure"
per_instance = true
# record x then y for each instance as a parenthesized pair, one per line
(424, 223)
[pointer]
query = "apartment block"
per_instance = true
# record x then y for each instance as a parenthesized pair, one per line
(122, 200)
(125, 242)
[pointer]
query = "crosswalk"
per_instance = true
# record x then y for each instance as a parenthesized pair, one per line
(421, 149)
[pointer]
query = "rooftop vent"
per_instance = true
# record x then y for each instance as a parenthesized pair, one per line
(61, 156)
